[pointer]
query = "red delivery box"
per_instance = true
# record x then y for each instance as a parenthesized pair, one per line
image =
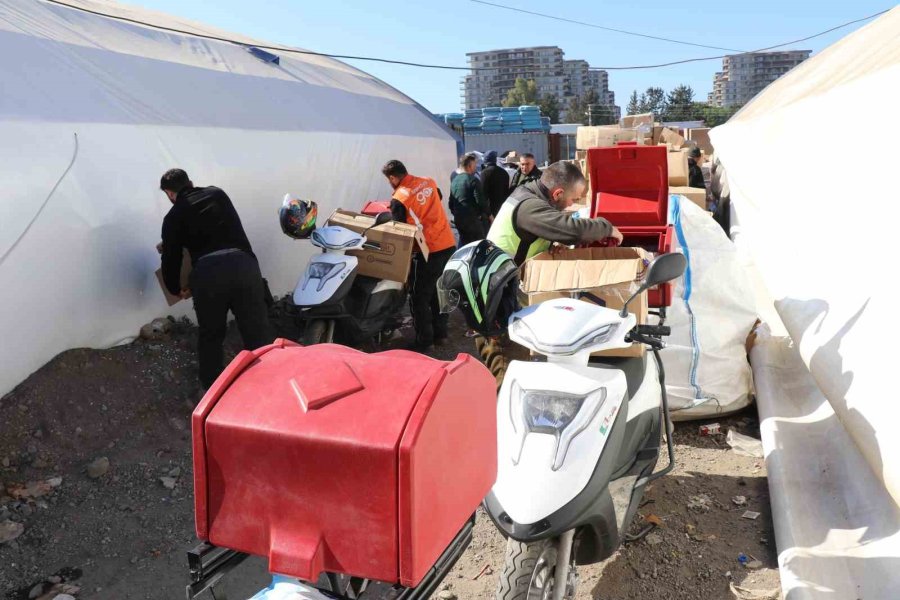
(631, 190)
(326, 459)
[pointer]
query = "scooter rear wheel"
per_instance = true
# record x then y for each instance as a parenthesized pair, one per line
(316, 332)
(528, 571)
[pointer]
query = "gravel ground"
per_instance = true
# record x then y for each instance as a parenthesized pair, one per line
(95, 459)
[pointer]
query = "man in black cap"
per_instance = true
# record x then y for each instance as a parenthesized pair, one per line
(695, 173)
(495, 182)
(225, 274)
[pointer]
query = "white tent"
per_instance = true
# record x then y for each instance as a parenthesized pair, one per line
(95, 108)
(810, 164)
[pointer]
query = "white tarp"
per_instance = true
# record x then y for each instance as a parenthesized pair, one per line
(712, 312)
(816, 203)
(94, 110)
(836, 527)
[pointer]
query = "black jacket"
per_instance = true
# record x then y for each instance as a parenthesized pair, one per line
(521, 178)
(203, 220)
(695, 175)
(495, 181)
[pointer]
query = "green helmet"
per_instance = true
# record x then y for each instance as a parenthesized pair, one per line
(482, 280)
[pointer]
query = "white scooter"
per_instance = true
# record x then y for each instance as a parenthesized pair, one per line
(331, 293)
(578, 439)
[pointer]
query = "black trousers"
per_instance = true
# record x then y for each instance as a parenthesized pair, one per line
(470, 227)
(428, 321)
(222, 281)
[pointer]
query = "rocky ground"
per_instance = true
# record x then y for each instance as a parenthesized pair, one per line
(96, 493)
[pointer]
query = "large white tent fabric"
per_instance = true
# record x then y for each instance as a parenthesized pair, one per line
(95, 109)
(817, 211)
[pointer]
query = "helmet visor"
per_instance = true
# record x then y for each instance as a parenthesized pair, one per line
(448, 298)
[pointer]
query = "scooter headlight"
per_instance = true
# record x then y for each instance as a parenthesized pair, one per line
(322, 271)
(560, 414)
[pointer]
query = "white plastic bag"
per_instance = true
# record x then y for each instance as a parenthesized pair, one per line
(288, 588)
(713, 310)
(744, 444)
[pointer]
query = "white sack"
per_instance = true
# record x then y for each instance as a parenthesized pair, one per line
(712, 312)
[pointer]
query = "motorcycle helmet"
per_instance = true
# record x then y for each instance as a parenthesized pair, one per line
(297, 217)
(482, 280)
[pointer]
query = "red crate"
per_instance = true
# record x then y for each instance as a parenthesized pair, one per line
(327, 459)
(630, 184)
(373, 207)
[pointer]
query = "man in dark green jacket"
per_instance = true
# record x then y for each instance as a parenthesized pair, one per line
(527, 172)
(470, 208)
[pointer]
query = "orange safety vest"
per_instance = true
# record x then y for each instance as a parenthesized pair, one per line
(419, 195)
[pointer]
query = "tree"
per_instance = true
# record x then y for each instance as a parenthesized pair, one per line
(577, 111)
(550, 107)
(654, 101)
(524, 92)
(714, 115)
(634, 104)
(680, 103)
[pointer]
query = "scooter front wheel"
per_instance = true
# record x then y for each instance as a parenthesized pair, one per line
(529, 571)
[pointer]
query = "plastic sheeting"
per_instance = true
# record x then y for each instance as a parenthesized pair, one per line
(712, 312)
(94, 110)
(836, 528)
(818, 218)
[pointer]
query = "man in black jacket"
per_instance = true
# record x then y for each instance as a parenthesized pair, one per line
(225, 274)
(495, 182)
(695, 173)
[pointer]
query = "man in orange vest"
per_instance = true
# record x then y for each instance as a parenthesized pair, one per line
(417, 201)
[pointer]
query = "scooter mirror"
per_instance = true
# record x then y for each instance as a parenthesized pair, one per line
(664, 268)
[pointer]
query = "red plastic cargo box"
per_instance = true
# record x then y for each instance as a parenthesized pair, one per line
(327, 459)
(373, 207)
(631, 190)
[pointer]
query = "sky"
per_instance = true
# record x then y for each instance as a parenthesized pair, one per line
(443, 32)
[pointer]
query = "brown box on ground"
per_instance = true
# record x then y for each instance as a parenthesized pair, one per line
(186, 267)
(608, 273)
(678, 168)
(602, 136)
(695, 195)
(656, 134)
(631, 121)
(397, 240)
(700, 136)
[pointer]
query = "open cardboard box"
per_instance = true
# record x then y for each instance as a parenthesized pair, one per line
(610, 274)
(397, 242)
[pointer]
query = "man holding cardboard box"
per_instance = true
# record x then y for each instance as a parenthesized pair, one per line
(534, 217)
(416, 201)
(225, 274)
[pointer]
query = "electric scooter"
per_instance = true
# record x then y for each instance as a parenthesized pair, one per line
(332, 295)
(578, 438)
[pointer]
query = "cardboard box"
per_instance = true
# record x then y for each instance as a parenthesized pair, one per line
(672, 137)
(631, 121)
(611, 274)
(580, 154)
(186, 267)
(678, 168)
(397, 240)
(656, 134)
(695, 195)
(700, 137)
(601, 136)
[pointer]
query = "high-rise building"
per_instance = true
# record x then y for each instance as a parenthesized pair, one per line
(495, 72)
(745, 75)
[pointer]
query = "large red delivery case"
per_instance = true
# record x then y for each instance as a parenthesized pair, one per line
(630, 186)
(326, 459)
